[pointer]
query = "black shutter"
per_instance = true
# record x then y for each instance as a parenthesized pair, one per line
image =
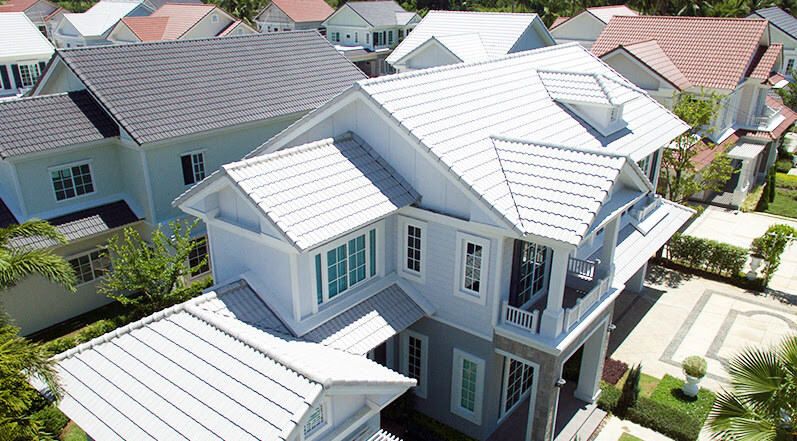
(15, 72)
(4, 75)
(188, 170)
(42, 65)
(513, 281)
(653, 167)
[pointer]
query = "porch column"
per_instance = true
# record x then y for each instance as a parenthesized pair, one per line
(637, 282)
(589, 378)
(554, 315)
(610, 234)
(745, 180)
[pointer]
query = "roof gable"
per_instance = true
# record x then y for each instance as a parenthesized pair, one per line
(273, 75)
(302, 11)
(780, 19)
(653, 57)
(21, 5)
(21, 38)
(710, 52)
(380, 13)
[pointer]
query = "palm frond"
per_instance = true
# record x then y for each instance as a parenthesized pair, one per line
(31, 228)
(756, 375)
(733, 419)
(54, 268)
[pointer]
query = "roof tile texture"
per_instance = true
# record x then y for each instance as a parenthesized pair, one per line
(304, 10)
(710, 52)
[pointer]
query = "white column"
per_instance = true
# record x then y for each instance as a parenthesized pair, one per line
(589, 377)
(637, 282)
(743, 186)
(553, 316)
(610, 234)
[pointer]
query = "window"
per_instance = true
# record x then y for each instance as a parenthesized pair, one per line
(412, 253)
(214, 18)
(29, 73)
(467, 386)
(72, 181)
(356, 37)
(615, 114)
(335, 37)
(348, 37)
(528, 272)
(91, 265)
(193, 167)
(472, 268)
(197, 255)
(390, 37)
(789, 66)
(400, 34)
(316, 420)
(415, 353)
(518, 379)
(347, 264)
(367, 37)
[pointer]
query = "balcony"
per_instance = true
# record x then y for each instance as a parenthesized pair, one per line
(582, 293)
(765, 119)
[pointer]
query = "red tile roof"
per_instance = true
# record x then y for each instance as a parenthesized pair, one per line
(710, 52)
(764, 61)
(304, 10)
(653, 56)
(558, 21)
(169, 22)
(17, 5)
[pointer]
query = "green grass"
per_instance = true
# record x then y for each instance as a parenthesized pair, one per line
(73, 433)
(786, 181)
(647, 383)
(785, 203)
(629, 437)
(669, 393)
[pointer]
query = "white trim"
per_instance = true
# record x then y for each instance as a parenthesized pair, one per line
(531, 391)
(54, 168)
(460, 290)
(456, 386)
(407, 273)
(420, 389)
(191, 277)
(326, 415)
(87, 253)
(191, 154)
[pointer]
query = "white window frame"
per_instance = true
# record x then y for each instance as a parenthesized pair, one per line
(91, 262)
(480, 296)
(379, 271)
(503, 412)
(214, 18)
(34, 72)
(191, 154)
(326, 408)
(456, 386)
(790, 61)
(420, 389)
(188, 262)
(88, 162)
(406, 272)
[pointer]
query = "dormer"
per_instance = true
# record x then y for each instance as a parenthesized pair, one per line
(597, 99)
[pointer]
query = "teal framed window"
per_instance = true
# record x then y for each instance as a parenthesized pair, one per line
(345, 265)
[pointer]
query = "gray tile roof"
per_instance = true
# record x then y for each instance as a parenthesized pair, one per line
(162, 90)
(379, 12)
(84, 223)
(48, 122)
(779, 18)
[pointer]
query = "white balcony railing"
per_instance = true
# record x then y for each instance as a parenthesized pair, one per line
(526, 320)
(579, 310)
(581, 268)
(645, 211)
(765, 118)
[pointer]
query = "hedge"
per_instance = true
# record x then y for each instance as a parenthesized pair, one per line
(664, 419)
(610, 395)
(668, 392)
(439, 430)
(708, 255)
(52, 420)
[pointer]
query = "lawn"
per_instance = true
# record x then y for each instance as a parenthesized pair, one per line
(647, 384)
(73, 433)
(785, 203)
(629, 437)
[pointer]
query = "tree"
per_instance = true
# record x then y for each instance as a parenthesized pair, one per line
(154, 274)
(20, 262)
(631, 389)
(789, 94)
(19, 360)
(771, 246)
(762, 402)
(680, 177)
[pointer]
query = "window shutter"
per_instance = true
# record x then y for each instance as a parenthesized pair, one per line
(15, 72)
(513, 281)
(4, 75)
(42, 65)
(188, 170)
(653, 166)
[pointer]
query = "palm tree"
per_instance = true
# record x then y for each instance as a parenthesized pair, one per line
(20, 360)
(762, 402)
(19, 262)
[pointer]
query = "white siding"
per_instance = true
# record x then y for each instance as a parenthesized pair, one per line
(236, 210)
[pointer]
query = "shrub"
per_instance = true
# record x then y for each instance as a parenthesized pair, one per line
(613, 370)
(52, 420)
(401, 408)
(705, 254)
(771, 245)
(95, 330)
(695, 366)
(664, 419)
(669, 394)
(610, 395)
(783, 165)
(630, 392)
(439, 430)
(60, 345)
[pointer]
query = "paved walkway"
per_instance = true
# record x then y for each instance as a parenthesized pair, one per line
(737, 228)
(615, 427)
(679, 315)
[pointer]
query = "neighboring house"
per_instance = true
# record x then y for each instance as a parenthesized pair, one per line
(92, 27)
(289, 15)
(782, 30)
(209, 369)
(23, 54)
(366, 31)
(132, 127)
(449, 37)
(585, 27)
(732, 58)
(499, 205)
(38, 11)
(178, 21)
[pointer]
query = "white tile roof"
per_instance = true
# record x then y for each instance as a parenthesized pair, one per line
(321, 190)
(186, 373)
(746, 150)
(575, 87)
(455, 111)
(101, 17)
(467, 47)
(497, 31)
(21, 38)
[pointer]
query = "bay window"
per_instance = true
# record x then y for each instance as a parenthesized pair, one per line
(345, 264)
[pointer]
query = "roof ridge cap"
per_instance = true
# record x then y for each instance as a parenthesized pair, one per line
(580, 149)
(484, 12)
(506, 180)
(286, 151)
(138, 324)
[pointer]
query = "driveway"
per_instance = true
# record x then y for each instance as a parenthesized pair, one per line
(737, 228)
(679, 315)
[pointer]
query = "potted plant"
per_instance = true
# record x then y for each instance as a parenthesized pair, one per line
(755, 260)
(695, 369)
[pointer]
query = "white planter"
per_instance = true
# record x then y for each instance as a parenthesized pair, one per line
(691, 387)
(755, 261)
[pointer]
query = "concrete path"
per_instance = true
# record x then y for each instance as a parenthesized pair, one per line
(679, 315)
(615, 427)
(737, 228)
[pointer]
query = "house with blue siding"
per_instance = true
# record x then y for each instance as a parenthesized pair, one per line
(107, 141)
(23, 55)
(469, 226)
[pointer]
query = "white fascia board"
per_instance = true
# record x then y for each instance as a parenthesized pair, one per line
(51, 65)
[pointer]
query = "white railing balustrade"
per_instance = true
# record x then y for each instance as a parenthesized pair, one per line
(583, 268)
(645, 211)
(525, 320)
(766, 118)
(583, 305)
